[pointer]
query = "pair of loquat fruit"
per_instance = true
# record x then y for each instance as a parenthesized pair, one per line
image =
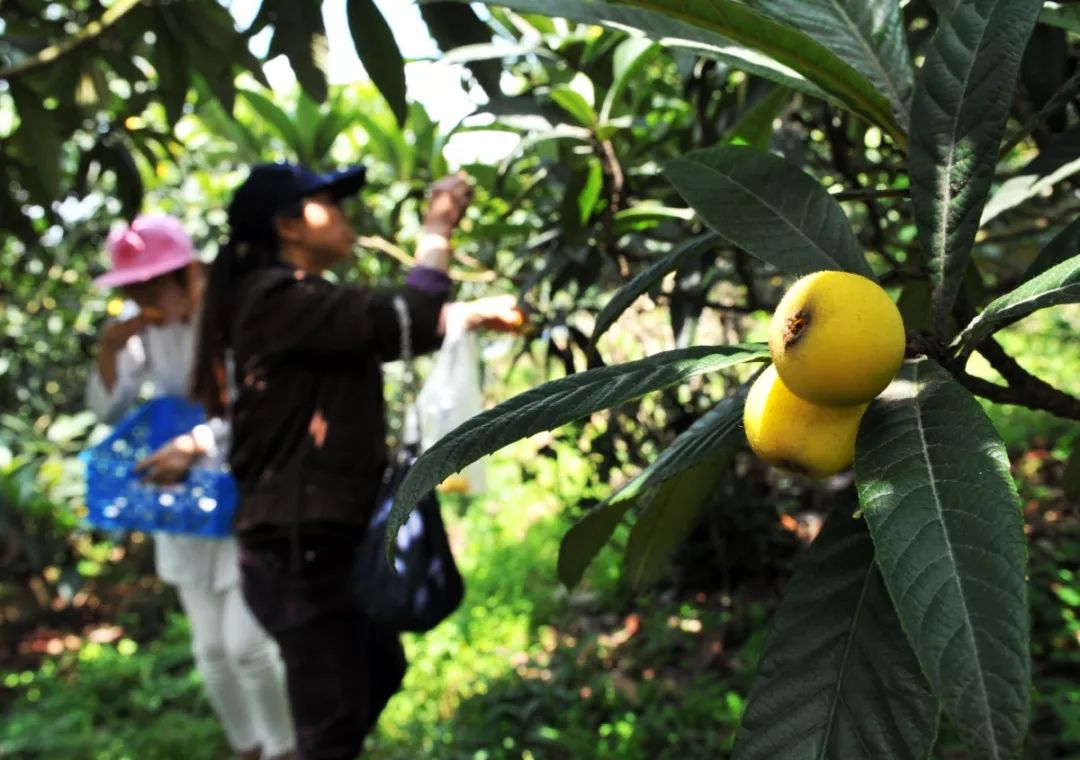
(837, 340)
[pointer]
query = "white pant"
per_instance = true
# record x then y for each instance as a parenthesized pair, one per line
(241, 668)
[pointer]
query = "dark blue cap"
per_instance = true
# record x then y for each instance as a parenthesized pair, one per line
(269, 188)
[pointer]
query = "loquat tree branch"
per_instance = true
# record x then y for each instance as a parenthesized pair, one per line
(1022, 389)
(615, 178)
(1066, 93)
(864, 193)
(91, 31)
(1052, 400)
(385, 246)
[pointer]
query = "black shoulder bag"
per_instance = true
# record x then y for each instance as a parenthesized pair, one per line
(423, 587)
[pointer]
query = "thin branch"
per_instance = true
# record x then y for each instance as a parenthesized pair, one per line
(1006, 366)
(1057, 403)
(743, 269)
(88, 33)
(385, 246)
(1014, 374)
(1013, 232)
(863, 193)
(702, 97)
(732, 308)
(616, 181)
(840, 151)
(724, 308)
(1057, 101)
(1023, 389)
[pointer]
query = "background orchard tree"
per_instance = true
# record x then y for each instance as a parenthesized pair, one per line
(78, 78)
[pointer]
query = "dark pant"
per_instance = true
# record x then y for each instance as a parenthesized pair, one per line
(341, 667)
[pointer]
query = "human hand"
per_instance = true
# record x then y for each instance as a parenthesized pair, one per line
(115, 335)
(495, 313)
(170, 463)
(450, 197)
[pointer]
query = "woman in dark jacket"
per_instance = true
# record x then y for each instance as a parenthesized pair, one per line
(309, 431)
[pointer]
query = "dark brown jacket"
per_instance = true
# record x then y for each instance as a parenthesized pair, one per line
(309, 432)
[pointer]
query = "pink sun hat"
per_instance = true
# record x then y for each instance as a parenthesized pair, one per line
(153, 245)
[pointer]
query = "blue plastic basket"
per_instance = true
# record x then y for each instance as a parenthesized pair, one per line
(117, 499)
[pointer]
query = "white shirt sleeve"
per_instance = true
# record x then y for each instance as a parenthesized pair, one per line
(111, 404)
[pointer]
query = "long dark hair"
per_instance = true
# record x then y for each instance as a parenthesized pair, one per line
(235, 261)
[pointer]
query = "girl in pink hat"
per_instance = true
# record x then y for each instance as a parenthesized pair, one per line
(152, 342)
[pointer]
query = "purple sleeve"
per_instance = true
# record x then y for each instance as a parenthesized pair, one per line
(286, 312)
(428, 280)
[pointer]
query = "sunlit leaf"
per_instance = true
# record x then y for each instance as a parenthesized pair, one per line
(552, 405)
(869, 35)
(1058, 160)
(836, 664)
(1058, 285)
(936, 491)
(771, 209)
(788, 45)
(957, 121)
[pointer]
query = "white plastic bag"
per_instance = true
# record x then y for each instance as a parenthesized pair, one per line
(452, 395)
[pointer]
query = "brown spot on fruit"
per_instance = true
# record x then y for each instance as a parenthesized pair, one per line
(795, 327)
